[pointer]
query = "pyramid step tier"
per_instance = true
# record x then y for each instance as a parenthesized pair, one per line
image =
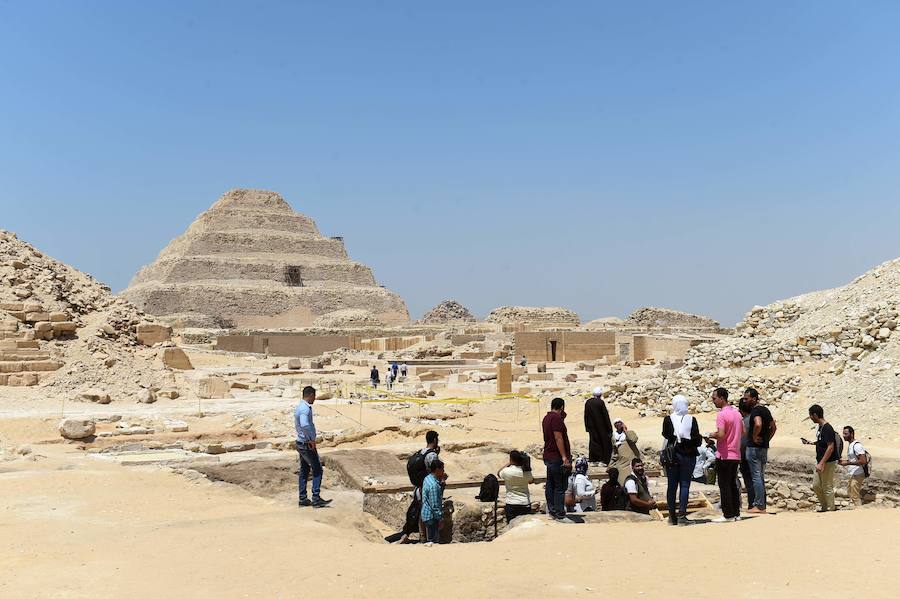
(202, 268)
(242, 241)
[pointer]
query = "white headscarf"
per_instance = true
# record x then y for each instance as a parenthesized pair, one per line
(598, 391)
(681, 421)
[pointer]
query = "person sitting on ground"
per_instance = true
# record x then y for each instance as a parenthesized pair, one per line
(857, 463)
(516, 475)
(637, 487)
(582, 489)
(433, 502)
(609, 490)
(618, 435)
(706, 458)
(826, 459)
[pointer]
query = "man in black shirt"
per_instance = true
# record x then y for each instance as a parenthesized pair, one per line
(826, 459)
(762, 429)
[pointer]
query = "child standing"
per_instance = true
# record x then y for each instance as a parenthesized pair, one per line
(433, 502)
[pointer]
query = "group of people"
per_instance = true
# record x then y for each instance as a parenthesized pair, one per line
(394, 372)
(737, 447)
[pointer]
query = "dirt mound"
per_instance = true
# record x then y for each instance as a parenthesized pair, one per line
(349, 318)
(664, 318)
(65, 329)
(531, 315)
(448, 311)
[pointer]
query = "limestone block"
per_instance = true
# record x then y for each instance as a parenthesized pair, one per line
(295, 364)
(12, 306)
(77, 428)
(174, 357)
(10, 367)
(64, 327)
(151, 334)
(58, 317)
(212, 387)
(168, 393)
(32, 307)
(95, 395)
(146, 396)
(43, 366)
(43, 327)
(37, 317)
(504, 377)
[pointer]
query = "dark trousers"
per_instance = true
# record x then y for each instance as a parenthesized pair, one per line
(726, 474)
(679, 483)
(748, 483)
(413, 513)
(516, 510)
(309, 462)
(431, 531)
(555, 489)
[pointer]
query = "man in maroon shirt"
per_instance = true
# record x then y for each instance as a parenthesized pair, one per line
(557, 457)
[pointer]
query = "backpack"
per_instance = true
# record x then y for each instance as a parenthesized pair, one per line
(490, 489)
(867, 470)
(667, 457)
(620, 499)
(838, 444)
(415, 468)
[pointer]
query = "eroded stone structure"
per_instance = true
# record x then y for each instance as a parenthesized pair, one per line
(250, 260)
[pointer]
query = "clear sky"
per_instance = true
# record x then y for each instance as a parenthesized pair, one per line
(704, 156)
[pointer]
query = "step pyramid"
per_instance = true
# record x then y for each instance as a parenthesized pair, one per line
(251, 261)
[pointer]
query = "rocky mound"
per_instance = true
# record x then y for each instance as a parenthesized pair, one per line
(63, 329)
(607, 322)
(839, 348)
(350, 318)
(448, 311)
(528, 315)
(664, 318)
(252, 261)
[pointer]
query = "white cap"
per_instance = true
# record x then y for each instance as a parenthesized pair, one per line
(618, 420)
(598, 391)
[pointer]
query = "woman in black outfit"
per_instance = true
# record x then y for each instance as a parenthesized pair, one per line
(681, 429)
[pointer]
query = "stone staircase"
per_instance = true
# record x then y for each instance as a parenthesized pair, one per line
(24, 329)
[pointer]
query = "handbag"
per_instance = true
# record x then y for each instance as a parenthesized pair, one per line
(668, 457)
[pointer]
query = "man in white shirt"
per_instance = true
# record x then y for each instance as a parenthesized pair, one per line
(516, 478)
(856, 463)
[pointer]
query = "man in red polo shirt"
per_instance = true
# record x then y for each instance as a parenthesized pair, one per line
(557, 457)
(729, 428)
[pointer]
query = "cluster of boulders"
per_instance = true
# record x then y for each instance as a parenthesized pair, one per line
(763, 321)
(547, 316)
(799, 496)
(653, 396)
(448, 311)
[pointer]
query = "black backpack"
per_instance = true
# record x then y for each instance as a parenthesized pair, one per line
(490, 489)
(415, 468)
(620, 499)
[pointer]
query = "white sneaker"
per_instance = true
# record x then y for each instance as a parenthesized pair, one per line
(721, 519)
(429, 544)
(736, 519)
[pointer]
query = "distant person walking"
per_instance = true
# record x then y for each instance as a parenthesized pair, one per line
(374, 377)
(762, 429)
(403, 370)
(306, 447)
(745, 466)
(729, 428)
(826, 458)
(395, 370)
(598, 427)
(680, 429)
(523, 362)
(390, 379)
(857, 463)
(557, 457)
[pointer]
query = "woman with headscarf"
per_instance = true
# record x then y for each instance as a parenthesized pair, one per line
(680, 430)
(582, 489)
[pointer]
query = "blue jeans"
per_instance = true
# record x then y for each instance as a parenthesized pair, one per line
(679, 479)
(309, 461)
(555, 488)
(431, 530)
(756, 459)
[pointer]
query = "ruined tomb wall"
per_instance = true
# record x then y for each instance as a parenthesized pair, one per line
(570, 346)
(301, 346)
(661, 348)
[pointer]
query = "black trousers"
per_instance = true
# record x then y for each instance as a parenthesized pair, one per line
(516, 510)
(413, 514)
(726, 474)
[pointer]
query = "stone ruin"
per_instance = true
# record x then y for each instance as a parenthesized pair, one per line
(448, 311)
(548, 316)
(251, 261)
(664, 318)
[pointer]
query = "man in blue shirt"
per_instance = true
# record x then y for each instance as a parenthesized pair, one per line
(306, 447)
(433, 502)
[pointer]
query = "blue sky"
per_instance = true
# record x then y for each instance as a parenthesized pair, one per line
(704, 156)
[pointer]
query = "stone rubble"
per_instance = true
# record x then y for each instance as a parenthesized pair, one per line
(447, 312)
